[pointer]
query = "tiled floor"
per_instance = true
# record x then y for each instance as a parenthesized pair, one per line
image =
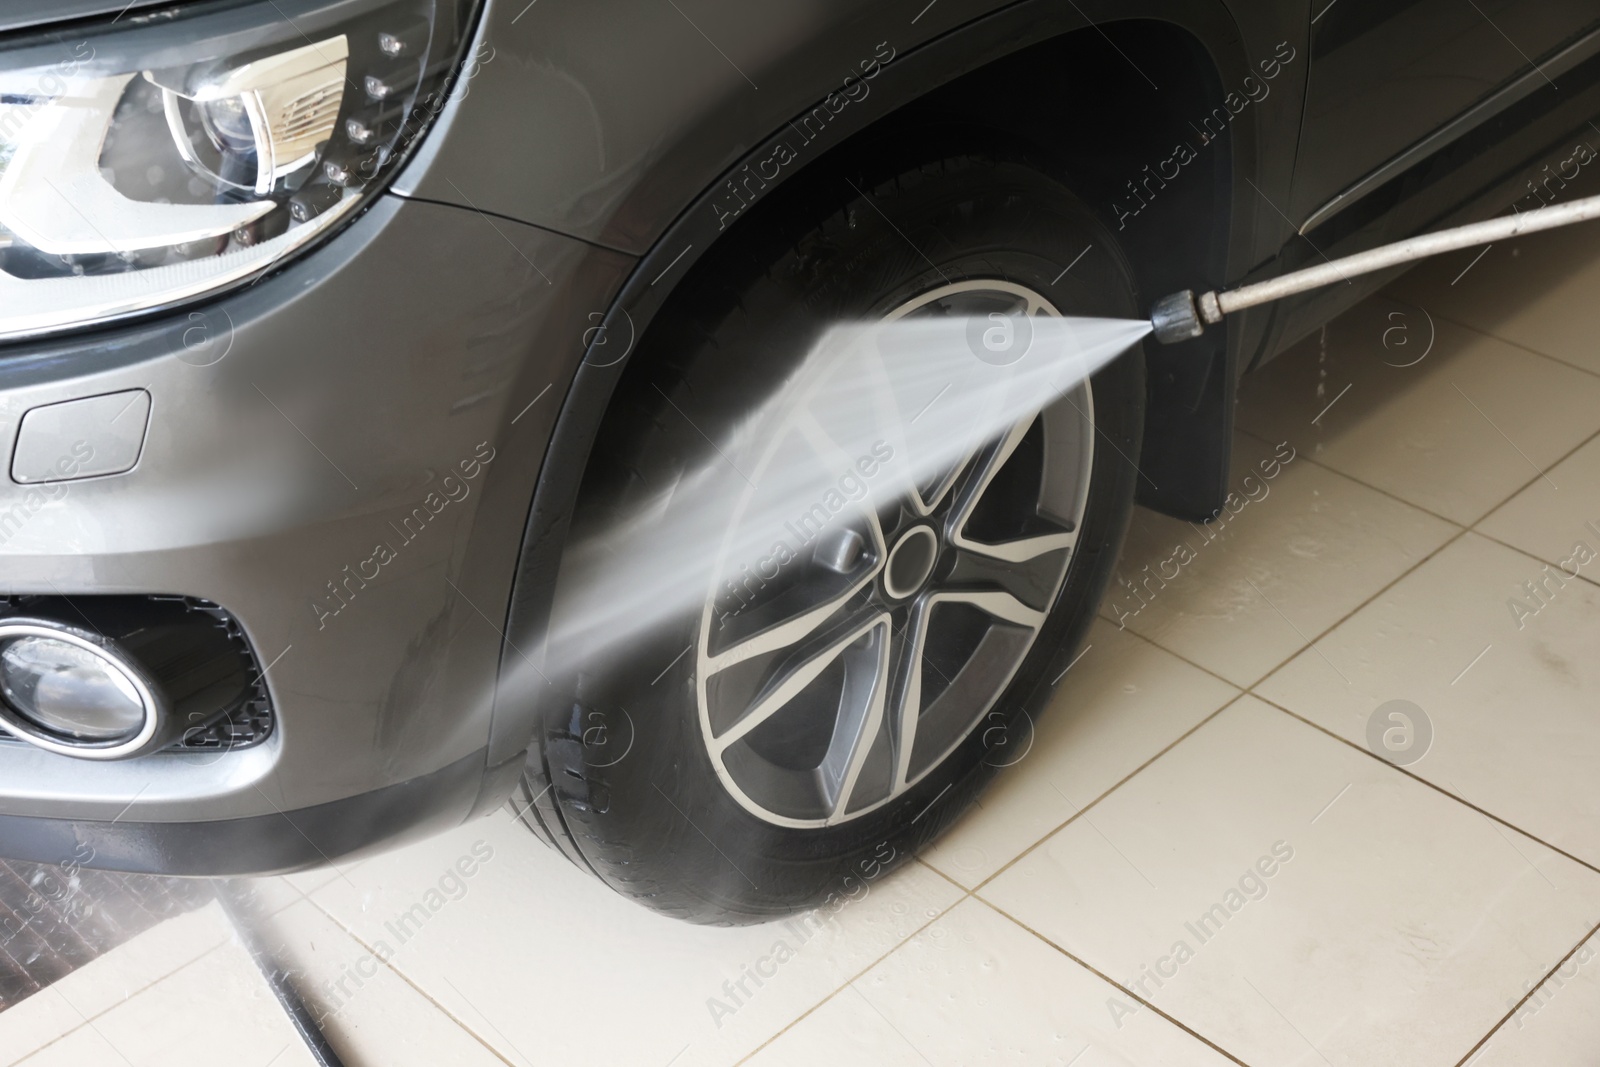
(1220, 846)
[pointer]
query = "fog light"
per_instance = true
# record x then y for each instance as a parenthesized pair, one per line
(69, 692)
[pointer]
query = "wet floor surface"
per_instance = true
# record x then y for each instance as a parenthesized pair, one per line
(1320, 790)
(54, 920)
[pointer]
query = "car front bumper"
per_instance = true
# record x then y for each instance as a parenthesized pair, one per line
(296, 425)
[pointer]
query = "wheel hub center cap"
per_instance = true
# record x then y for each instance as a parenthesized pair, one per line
(910, 562)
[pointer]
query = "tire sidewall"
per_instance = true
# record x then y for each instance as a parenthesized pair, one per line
(663, 811)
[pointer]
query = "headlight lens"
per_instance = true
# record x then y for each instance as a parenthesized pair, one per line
(142, 166)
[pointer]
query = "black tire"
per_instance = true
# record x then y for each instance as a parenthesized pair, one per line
(657, 825)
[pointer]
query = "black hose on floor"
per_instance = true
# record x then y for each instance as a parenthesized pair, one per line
(236, 905)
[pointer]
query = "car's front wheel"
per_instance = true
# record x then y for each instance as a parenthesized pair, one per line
(801, 730)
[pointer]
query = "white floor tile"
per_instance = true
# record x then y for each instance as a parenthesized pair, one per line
(1512, 710)
(1552, 517)
(1457, 433)
(1300, 902)
(1292, 555)
(369, 1013)
(83, 1047)
(846, 1030)
(1123, 701)
(113, 978)
(216, 1010)
(529, 944)
(1536, 291)
(975, 988)
(1558, 1024)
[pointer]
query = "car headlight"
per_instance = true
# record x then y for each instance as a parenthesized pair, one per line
(167, 157)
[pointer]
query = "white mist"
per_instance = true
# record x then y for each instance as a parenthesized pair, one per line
(872, 411)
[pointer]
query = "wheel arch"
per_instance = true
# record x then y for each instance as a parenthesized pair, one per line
(1192, 238)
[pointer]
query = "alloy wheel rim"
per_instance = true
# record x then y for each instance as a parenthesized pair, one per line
(874, 654)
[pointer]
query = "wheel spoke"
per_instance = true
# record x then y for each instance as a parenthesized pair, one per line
(795, 679)
(854, 739)
(792, 630)
(907, 707)
(983, 475)
(941, 488)
(1033, 581)
(1021, 550)
(1000, 604)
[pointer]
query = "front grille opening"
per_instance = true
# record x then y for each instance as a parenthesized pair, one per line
(192, 647)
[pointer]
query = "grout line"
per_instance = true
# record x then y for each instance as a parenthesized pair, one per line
(1461, 531)
(1153, 643)
(1473, 1051)
(1112, 982)
(1510, 343)
(1552, 465)
(1310, 642)
(1431, 785)
(975, 891)
(1537, 559)
(1249, 690)
(1507, 437)
(398, 973)
(852, 979)
(941, 874)
(351, 934)
(1113, 788)
(1309, 458)
(128, 995)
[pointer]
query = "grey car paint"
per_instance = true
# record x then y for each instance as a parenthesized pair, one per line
(608, 120)
(319, 410)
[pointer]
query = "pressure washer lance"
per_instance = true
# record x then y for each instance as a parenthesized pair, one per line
(1182, 316)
